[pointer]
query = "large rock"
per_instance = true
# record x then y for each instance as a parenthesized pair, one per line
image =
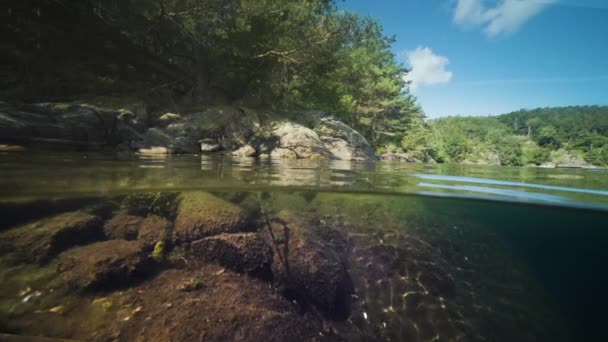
(144, 203)
(41, 240)
(314, 136)
(122, 226)
(342, 141)
(246, 151)
(199, 132)
(105, 265)
(308, 264)
(241, 252)
(71, 125)
(201, 214)
(153, 229)
(302, 141)
(148, 231)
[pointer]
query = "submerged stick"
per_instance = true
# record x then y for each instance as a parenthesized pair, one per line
(282, 258)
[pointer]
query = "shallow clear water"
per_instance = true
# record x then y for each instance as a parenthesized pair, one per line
(430, 252)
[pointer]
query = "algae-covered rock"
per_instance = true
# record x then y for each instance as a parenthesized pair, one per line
(241, 252)
(122, 226)
(41, 240)
(309, 263)
(148, 231)
(200, 214)
(153, 229)
(158, 203)
(105, 265)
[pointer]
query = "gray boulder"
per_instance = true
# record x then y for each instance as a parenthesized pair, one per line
(342, 141)
(302, 141)
(246, 151)
(209, 145)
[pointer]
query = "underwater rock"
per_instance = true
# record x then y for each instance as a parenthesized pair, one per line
(201, 214)
(153, 229)
(41, 240)
(122, 226)
(148, 231)
(158, 203)
(308, 264)
(241, 252)
(105, 265)
(14, 214)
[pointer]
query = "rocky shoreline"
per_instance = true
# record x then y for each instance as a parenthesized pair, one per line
(227, 130)
(238, 131)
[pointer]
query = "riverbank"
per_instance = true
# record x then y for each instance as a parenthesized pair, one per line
(229, 130)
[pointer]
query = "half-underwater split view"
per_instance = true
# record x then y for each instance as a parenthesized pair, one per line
(315, 170)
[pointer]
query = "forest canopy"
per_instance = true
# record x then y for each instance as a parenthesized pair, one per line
(260, 53)
(526, 137)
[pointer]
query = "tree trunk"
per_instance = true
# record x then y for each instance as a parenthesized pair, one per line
(201, 90)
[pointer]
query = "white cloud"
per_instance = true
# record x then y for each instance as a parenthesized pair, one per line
(507, 16)
(427, 68)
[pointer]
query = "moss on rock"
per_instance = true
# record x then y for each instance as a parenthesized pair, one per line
(200, 214)
(41, 240)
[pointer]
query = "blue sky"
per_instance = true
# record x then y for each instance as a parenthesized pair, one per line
(479, 57)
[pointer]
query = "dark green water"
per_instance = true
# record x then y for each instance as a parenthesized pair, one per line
(431, 252)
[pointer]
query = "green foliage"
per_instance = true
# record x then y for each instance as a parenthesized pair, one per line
(532, 137)
(510, 151)
(418, 141)
(532, 154)
(259, 53)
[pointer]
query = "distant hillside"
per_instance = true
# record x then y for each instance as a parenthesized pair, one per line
(564, 136)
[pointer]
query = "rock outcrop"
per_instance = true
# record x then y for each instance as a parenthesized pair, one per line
(567, 159)
(223, 129)
(241, 132)
(342, 141)
(79, 126)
